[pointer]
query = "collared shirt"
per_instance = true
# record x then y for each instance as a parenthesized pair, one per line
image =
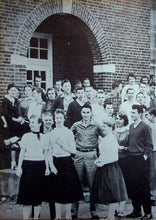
(87, 136)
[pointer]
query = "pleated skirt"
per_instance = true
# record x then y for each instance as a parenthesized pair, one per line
(65, 186)
(31, 183)
(109, 185)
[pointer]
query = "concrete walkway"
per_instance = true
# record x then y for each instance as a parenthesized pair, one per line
(10, 210)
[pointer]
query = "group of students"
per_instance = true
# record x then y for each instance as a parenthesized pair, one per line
(110, 136)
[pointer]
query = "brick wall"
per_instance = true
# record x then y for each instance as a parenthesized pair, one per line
(114, 32)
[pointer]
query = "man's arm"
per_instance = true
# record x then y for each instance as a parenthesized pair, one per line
(148, 141)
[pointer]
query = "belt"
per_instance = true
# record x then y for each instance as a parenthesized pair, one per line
(85, 150)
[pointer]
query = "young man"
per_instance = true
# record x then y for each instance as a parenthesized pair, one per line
(152, 94)
(37, 83)
(87, 134)
(90, 95)
(114, 96)
(86, 82)
(74, 108)
(143, 88)
(63, 100)
(98, 107)
(58, 87)
(139, 150)
(127, 105)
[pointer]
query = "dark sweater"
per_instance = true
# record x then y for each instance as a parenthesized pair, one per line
(140, 141)
(73, 114)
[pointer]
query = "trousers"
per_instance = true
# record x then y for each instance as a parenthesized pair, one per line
(85, 160)
(138, 183)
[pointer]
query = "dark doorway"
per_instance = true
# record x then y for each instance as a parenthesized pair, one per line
(72, 58)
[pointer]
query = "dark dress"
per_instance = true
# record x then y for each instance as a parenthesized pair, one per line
(10, 110)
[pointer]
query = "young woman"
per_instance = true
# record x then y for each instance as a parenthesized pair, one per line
(11, 120)
(108, 186)
(62, 146)
(50, 96)
(121, 133)
(32, 167)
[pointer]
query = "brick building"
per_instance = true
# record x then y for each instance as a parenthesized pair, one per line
(99, 39)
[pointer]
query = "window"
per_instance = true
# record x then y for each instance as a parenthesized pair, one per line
(39, 60)
(38, 48)
(31, 74)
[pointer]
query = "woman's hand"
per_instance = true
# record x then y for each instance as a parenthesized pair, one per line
(99, 163)
(19, 171)
(59, 142)
(47, 172)
(53, 169)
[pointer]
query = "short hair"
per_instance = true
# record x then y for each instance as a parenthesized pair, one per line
(11, 85)
(115, 84)
(138, 108)
(130, 75)
(139, 94)
(152, 112)
(77, 81)
(129, 89)
(39, 120)
(50, 89)
(143, 77)
(59, 80)
(86, 79)
(107, 102)
(100, 91)
(79, 88)
(86, 105)
(47, 113)
(59, 111)
(143, 83)
(152, 84)
(65, 81)
(123, 116)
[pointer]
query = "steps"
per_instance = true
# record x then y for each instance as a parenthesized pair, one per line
(9, 182)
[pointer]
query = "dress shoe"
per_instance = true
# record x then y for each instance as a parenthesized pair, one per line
(147, 216)
(74, 217)
(134, 215)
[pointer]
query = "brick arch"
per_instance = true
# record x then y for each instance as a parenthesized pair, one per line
(93, 30)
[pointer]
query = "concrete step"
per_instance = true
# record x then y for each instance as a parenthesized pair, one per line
(9, 182)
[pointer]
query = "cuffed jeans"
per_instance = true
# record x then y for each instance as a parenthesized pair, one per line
(85, 160)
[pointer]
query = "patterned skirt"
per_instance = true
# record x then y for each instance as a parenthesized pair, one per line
(109, 185)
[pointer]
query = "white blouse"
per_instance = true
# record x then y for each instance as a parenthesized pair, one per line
(66, 138)
(108, 149)
(34, 148)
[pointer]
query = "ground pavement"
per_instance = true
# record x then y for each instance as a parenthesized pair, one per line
(10, 210)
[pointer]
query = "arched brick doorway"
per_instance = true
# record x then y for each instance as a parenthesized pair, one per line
(72, 56)
(83, 22)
